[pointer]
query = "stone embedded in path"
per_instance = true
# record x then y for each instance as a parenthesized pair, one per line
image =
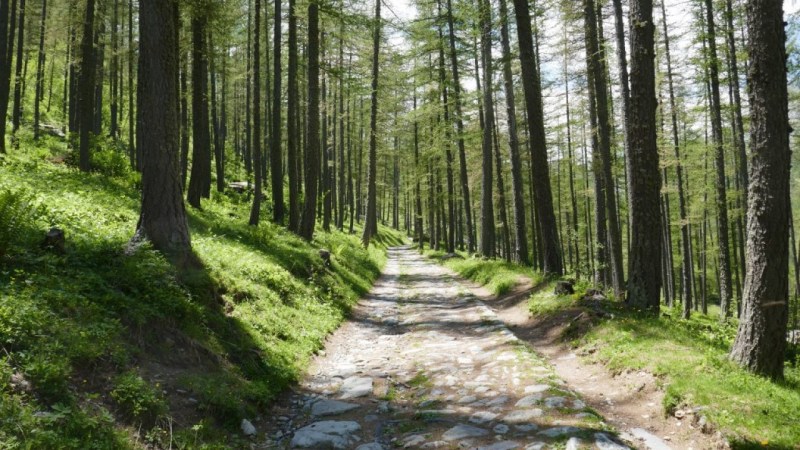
(370, 446)
(482, 417)
(559, 431)
(555, 402)
(535, 446)
(326, 434)
(573, 443)
(528, 401)
(331, 408)
(502, 445)
(603, 442)
(355, 387)
(652, 441)
(523, 415)
(413, 440)
(536, 388)
(459, 432)
(500, 428)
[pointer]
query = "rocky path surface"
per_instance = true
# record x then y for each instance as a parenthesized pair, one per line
(423, 363)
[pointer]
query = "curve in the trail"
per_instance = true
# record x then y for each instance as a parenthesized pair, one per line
(422, 363)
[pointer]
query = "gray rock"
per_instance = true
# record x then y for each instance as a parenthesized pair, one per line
(500, 428)
(536, 388)
(555, 402)
(482, 417)
(523, 415)
(467, 399)
(535, 446)
(573, 443)
(331, 408)
(434, 444)
(526, 427)
(603, 442)
(354, 387)
(650, 440)
(502, 445)
(247, 428)
(578, 404)
(370, 446)
(559, 431)
(413, 440)
(529, 400)
(497, 401)
(326, 434)
(460, 431)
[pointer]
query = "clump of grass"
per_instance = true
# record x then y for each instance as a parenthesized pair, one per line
(136, 398)
(498, 276)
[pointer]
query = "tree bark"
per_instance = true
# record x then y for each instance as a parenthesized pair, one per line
(163, 214)
(371, 225)
(275, 153)
(86, 89)
(520, 232)
(761, 339)
(487, 243)
(644, 277)
(39, 73)
(255, 211)
(200, 179)
(552, 262)
(18, 78)
(291, 125)
(309, 218)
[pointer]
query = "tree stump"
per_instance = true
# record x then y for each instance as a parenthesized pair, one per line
(564, 287)
(54, 240)
(326, 256)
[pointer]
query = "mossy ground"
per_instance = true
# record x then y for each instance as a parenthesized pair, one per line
(689, 357)
(105, 346)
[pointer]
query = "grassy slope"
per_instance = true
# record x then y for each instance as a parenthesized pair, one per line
(690, 357)
(96, 342)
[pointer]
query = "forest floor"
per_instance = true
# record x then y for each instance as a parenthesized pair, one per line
(424, 363)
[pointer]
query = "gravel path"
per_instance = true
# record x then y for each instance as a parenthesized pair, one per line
(422, 363)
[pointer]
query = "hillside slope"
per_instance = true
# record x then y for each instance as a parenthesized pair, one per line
(106, 346)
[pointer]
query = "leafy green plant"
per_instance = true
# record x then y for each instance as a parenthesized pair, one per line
(18, 214)
(136, 398)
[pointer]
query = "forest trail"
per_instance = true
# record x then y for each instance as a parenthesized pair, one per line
(423, 363)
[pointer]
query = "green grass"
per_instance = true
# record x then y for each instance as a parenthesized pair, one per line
(689, 357)
(498, 276)
(92, 339)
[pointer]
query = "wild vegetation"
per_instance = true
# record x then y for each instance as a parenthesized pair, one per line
(189, 160)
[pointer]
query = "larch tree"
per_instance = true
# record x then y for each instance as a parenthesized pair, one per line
(761, 339)
(644, 273)
(163, 215)
(543, 201)
(255, 211)
(371, 223)
(311, 157)
(200, 177)
(86, 88)
(275, 154)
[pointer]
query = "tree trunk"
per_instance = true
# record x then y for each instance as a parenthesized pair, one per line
(719, 160)
(200, 179)
(308, 220)
(86, 105)
(520, 232)
(487, 243)
(371, 225)
(552, 263)
(39, 74)
(6, 50)
(255, 211)
(18, 78)
(644, 277)
(761, 339)
(462, 154)
(276, 156)
(687, 271)
(163, 215)
(115, 72)
(291, 125)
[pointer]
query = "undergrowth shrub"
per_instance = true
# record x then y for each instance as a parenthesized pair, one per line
(136, 399)
(18, 215)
